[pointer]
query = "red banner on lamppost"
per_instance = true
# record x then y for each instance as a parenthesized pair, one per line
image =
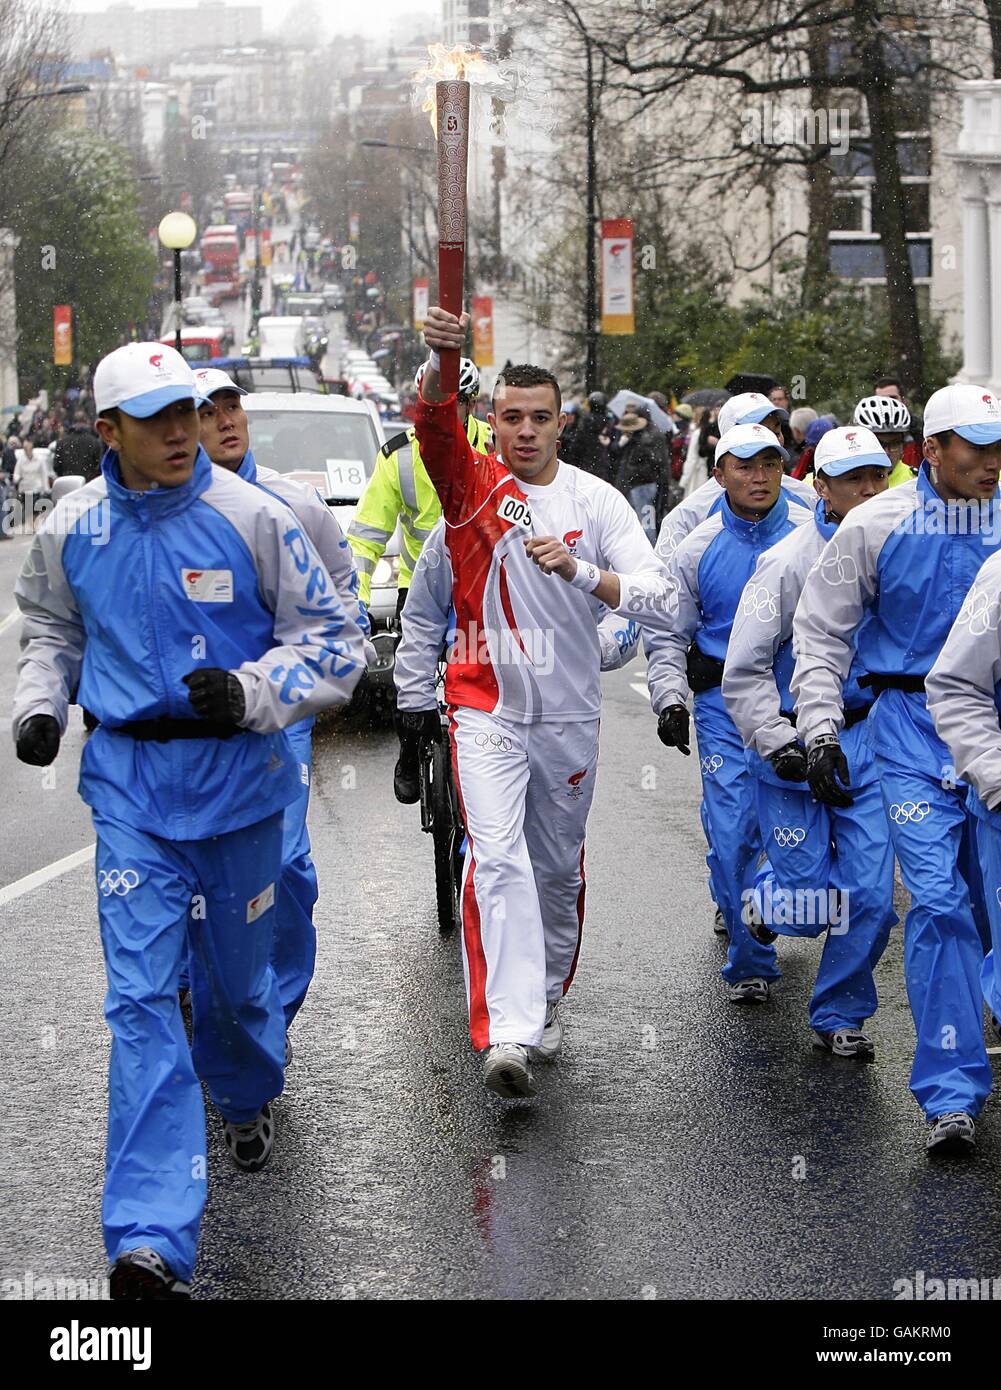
(483, 330)
(62, 335)
(617, 313)
(422, 290)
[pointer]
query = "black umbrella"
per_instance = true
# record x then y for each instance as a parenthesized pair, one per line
(751, 381)
(706, 395)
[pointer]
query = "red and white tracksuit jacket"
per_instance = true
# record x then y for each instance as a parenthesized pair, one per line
(524, 692)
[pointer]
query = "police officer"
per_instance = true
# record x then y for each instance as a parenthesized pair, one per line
(890, 582)
(225, 437)
(808, 887)
(198, 622)
(711, 567)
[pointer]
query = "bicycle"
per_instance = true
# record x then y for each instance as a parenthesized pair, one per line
(442, 819)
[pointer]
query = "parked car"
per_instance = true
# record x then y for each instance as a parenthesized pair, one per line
(333, 295)
(332, 442)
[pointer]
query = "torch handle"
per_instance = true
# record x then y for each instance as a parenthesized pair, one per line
(452, 109)
(450, 276)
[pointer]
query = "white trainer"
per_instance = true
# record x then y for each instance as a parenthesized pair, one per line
(552, 1034)
(508, 1071)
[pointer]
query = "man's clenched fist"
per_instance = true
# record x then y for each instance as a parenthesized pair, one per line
(552, 556)
(38, 740)
(216, 694)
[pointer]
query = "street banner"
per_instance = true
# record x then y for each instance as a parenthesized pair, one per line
(421, 291)
(353, 227)
(250, 248)
(483, 331)
(62, 335)
(617, 316)
(266, 246)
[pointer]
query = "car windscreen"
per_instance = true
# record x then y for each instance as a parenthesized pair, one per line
(333, 450)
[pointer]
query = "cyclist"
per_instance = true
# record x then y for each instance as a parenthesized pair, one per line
(400, 490)
(198, 622)
(848, 891)
(889, 419)
(890, 582)
(531, 540)
(225, 437)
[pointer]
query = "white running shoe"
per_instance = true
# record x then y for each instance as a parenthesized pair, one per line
(508, 1071)
(952, 1134)
(846, 1042)
(552, 1034)
(753, 991)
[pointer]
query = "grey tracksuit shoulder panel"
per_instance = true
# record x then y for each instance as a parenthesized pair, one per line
(764, 621)
(667, 650)
(52, 627)
(289, 569)
(963, 685)
(324, 530)
(424, 623)
(838, 590)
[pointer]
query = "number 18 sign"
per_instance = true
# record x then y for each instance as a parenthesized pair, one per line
(345, 478)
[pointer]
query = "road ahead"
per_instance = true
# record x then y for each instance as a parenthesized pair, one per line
(680, 1147)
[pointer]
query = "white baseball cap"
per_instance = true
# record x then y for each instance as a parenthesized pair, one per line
(969, 410)
(749, 408)
(842, 450)
(209, 380)
(747, 440)
(142, 378)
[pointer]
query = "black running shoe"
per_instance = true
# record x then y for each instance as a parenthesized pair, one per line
(250, 1144)
(719, 924)
(144, 1274)
(754, 922)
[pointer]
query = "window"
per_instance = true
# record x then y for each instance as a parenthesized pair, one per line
(849, 212)
(917, 212)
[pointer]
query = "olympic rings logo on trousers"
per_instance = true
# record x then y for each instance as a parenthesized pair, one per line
(498, 741)
(711, 765)
(902, 811)
(789, 835)
(117, 881)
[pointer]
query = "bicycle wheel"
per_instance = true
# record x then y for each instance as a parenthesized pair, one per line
(443, 833)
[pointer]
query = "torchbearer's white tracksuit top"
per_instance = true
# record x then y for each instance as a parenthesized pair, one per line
(523, 688)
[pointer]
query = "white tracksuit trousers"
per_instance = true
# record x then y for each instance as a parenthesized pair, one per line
(525, 791)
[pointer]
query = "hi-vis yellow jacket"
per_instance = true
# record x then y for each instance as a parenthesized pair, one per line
(400, 489)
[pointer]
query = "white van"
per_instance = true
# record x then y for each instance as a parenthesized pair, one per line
(281, 337)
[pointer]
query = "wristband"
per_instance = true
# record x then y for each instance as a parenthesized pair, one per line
(434, 361)
(586, 576)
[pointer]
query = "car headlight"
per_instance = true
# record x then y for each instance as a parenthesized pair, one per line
(386, 572)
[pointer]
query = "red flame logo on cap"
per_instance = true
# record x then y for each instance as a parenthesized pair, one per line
(850, 435)
(156, 359)
(986, 398)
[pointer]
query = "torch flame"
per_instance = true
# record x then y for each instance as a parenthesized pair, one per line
(449, 65)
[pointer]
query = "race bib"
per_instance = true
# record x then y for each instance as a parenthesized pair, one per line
(513, 509)
(208, 586)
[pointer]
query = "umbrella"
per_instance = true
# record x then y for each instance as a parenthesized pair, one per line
(617, 406)
(706, 395)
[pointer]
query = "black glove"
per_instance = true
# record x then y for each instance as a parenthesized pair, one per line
(827, 772)
(790, 762)
(673, 728)
(418, 723)
(38, 740)
(216, 694)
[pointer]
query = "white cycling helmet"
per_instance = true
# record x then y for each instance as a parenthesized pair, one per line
(469, 378)
(883, 415)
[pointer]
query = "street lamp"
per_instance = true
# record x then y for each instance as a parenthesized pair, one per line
(71, 90)
(177, 231)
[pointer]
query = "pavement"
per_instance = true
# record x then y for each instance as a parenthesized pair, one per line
(681, 1147)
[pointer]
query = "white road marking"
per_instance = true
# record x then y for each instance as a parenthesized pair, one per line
(10, 620)
(640, 689)
(40, 876)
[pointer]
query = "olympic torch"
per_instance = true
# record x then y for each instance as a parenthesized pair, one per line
(452, 106)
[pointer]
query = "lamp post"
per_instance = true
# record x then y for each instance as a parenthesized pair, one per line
(177, 231)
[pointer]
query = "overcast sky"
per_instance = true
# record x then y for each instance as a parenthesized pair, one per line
(339, 16)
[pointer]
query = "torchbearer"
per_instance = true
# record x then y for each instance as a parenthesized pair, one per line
(538, 551)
